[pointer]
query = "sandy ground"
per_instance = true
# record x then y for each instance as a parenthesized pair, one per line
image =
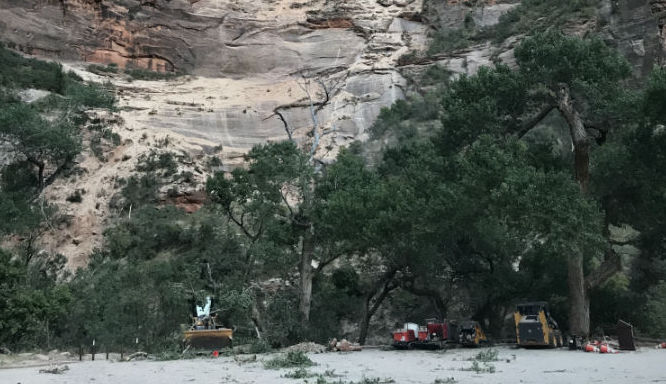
(422, 367)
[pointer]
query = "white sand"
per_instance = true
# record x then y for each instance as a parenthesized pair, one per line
(528, 366)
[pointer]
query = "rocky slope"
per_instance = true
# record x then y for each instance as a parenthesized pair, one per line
(253, 67)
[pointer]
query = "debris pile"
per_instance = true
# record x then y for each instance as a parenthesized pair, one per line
(343, 346)
(243, 359)
(307, 347)
(661, 346)
(55, 370)
(137, 356)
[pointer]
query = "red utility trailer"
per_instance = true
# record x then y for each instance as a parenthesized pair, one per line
(406, 337)
(434, 335)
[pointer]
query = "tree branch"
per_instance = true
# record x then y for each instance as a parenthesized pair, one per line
(286, 124)
(610, 266)
(284, 199)
(433, 294)
(532, 122)
(240, 223)
(326, 262)
(386, 288)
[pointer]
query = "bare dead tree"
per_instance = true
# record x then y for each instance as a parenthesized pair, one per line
(318, 94)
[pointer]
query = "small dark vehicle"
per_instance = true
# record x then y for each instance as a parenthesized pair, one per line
(471, 334)
(535, 327)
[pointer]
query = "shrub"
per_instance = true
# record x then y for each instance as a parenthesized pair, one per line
(487, 355)
(213, 162)
(300, 373)
(136, 192)
(21, 72)
(478, 368)
(154, 161)
(260, 346)
(144, 74)
(90, 95)
(76, 196)
(291, 360)
(450, 40)
(374, 380)
(102, 69)
(534, 15)
(656, 311)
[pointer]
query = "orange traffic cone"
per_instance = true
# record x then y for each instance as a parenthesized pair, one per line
(591, 348)
(606, 349)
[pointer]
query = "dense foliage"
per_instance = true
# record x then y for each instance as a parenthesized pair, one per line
(41, 139)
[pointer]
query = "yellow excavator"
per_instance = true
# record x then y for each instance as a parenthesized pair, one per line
(205, 333)
(535, 327)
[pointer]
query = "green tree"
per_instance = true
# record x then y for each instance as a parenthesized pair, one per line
(582, 80)
(33, 305)
(152, 267)
(45, 145)
(272, 203)
(629, 178)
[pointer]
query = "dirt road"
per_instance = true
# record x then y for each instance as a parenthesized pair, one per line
(417, 367)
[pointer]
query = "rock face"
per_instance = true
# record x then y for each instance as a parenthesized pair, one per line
(635, 27)
(454, 13)
(254, 67)
(249, 58)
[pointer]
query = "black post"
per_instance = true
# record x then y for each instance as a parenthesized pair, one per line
(107, 352)
(80, 352)
(122, 354)
(93, 350)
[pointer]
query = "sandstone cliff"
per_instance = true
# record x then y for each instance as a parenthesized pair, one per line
(253, 67)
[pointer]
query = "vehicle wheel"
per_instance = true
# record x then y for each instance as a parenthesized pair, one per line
(410, 346)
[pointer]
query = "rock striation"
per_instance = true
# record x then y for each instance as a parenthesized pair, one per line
(249, 60)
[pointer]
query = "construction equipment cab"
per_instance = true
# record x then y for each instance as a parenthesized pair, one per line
(535, 327)
(471, 334)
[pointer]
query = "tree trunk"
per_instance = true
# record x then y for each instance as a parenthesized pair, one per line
(582, 165)
(41, 175)
(306, 274)
(579, 137)
(384, 287)
(579, 302)
(255, 316)
(365, 323)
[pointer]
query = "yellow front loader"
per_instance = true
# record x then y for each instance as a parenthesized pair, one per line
(205, 333)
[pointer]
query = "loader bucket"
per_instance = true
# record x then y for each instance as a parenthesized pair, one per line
(208, 338)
